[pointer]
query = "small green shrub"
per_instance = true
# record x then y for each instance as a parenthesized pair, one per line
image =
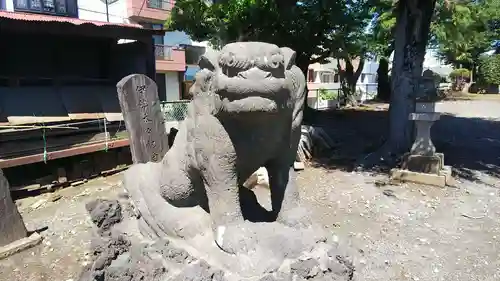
(325, 94)
(489, 69)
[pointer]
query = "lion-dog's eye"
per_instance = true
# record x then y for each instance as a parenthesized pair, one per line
(227, 59)
(276, 61)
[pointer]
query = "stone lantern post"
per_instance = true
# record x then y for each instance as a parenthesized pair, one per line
(422, 164)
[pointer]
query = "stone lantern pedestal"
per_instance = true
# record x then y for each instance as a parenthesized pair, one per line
(422, 164)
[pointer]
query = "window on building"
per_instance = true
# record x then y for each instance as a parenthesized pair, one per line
(158, 40)
(67, 8)
(49, 6)
(61, 6)
(160, 4)
(336, 78)
(326, 77)
(310, 75)
(22, 4)
(154, 26)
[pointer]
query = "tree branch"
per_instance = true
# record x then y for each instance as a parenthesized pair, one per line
(359, 70)
(320, 58)
(389, 49)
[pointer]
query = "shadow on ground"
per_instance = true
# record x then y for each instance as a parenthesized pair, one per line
(469, 144)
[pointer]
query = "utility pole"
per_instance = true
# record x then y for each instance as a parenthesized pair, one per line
(107, 10)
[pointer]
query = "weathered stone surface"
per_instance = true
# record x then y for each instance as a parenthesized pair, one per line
(245, 114)
(424, 118)
(425, 107)
(427, 91)
(11, 223)
(138, 96)
(423, 164)
(192, 217)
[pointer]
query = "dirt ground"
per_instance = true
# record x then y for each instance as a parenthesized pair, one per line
(397, 232)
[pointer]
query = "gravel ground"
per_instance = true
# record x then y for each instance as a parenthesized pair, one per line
(412, 233)
(397, 232)
(65, 248)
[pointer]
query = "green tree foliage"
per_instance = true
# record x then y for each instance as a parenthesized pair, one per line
(489, 67)
(299, 27)
(315, 29)
(461, 30)
(465, 29)
(382, 30)
(460, 73)
(459, 77)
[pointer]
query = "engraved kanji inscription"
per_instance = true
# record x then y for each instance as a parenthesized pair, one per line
(141, 89)
(154, 157)
(143, 104)
(146, 119)
(151, 143)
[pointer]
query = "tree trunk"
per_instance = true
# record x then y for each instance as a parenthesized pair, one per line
(11, 223)
(412, 32)
(411, 35)
(349, 78)
(302, 62)
(383, 80)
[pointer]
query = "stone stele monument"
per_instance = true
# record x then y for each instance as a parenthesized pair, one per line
(189, 217)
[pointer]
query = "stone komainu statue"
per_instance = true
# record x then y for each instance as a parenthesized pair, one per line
(246, 112)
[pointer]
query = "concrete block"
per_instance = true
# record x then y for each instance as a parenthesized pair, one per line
(298, 166)
(423, 178)
(20, 245)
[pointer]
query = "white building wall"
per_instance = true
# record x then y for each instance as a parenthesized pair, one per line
(96, 10)
(172, 86)
(90, 10)
(8, 5)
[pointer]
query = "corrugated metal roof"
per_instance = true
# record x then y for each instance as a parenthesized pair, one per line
(47, 18)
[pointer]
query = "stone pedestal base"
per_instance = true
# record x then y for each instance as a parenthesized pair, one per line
(424, 164)
(441, 179)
